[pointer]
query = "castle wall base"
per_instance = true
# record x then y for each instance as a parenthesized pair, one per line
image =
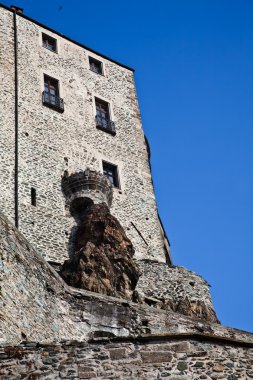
(171, 359)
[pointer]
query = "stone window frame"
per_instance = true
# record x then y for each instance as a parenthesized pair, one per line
(99, 62)
(116, 178)
(53, 75)
(52, 98)
(120, 165)
(106, 100)
(99, 59)
(47, 37)
(51, 35)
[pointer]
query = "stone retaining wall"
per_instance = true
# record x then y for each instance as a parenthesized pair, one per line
(170, 359)
(141, 340)
(36, 304)
(175, 288)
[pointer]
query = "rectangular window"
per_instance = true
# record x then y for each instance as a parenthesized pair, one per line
(33, 196)
(96, 66)
(51, 88)
(51, 96)
(49, 42)
(103, 120)
(111, 172)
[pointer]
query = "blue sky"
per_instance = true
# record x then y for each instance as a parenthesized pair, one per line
(194, 76)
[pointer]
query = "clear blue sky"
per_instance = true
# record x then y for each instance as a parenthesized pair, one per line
(194, 75)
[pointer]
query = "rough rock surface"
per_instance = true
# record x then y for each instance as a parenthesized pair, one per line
(175, 288)
(195, 309)
(103, 261)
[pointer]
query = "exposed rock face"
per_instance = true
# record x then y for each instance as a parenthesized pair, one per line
(103, 260)
(195, 309)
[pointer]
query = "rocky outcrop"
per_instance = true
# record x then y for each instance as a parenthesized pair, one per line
(193, 308)
(103, 259)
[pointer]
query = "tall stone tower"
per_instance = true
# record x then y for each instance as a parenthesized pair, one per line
(71, 148)
(71, 133)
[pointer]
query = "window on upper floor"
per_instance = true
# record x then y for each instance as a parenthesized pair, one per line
(103, 119)
(96, 66)
(49, 42)
(50, 96)
(111, 172)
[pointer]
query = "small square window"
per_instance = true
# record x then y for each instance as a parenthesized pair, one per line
(96, 66)
(48, 42)
(111, 172)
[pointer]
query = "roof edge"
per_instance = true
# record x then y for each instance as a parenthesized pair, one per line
(66, 37)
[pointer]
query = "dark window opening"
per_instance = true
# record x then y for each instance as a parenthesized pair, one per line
(49, 42)
(51, 96)
(103, 120)
(51, 88)
(96, 66)
(33, 196)
(111, 172)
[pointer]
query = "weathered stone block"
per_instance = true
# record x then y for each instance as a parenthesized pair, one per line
(181, 347)
(156, 357)
(199, 364)
(218, 368)
(182, 366)
(117, 353)
(86, 375)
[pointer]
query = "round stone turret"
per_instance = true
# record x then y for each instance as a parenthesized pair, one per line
(86, 187)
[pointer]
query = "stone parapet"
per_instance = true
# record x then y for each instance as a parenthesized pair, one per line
(87, 184)
(175, 288)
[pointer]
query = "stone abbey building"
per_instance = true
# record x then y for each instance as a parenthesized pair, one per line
(87, 286)
(76, 111)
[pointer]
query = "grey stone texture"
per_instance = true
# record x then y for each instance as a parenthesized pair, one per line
(115, 338)
(87, 184)
(37, 305)
(51, 142)
(49, 330)
(175, 288)
(171, 359)
(7, 126)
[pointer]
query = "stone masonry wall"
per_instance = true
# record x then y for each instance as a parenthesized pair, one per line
(51, 142)
(7, 121)
(116, 338)
(184, 359)
(175, 288)
(36, 305)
